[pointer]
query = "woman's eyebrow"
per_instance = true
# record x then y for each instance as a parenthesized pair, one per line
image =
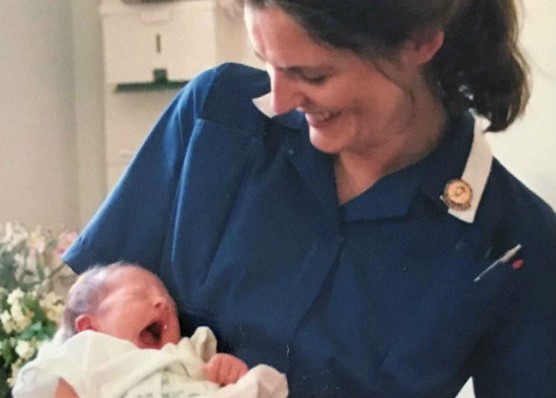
(296, 69)
(307, 71)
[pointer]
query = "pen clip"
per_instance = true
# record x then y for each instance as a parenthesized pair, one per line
(501, 260)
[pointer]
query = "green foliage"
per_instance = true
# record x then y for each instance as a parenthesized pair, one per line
(30, 263)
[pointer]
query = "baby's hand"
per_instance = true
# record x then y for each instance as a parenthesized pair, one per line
(224, 369)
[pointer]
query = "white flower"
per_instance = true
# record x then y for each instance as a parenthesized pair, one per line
(14, 235)
(7, 322)
(31, 263)
(37, 240)
(53, 306)
(16, 366)
(21, 320)
(24, 349)
(19, 259)
(28, 259)
(5, 317)
(8, 232)
(15, 296)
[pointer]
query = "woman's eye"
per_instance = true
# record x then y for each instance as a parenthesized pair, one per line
(311, 77)
(315, 79)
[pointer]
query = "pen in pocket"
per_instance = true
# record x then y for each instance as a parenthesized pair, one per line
(502, 260)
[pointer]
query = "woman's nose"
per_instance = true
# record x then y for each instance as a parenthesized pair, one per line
(285, 95)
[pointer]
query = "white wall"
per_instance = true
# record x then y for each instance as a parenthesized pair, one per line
(528, 148)
(51, 124)
(37, 136)
(89, 107)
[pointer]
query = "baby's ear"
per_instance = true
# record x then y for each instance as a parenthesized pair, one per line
(84, 322)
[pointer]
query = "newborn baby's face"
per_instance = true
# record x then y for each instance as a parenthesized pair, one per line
(139, 309)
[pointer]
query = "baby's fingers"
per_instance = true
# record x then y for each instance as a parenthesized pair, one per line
(210, 371)
(224, 369)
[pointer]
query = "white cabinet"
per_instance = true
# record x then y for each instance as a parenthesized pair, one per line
(194, 35)
(173, 40)
(129, 116)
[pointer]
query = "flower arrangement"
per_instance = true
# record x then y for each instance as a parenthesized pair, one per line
(30, 268)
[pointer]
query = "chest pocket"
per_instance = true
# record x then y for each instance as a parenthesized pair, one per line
(453, 314)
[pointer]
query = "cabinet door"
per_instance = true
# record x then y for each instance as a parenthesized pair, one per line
(175, 37)
(191, 41)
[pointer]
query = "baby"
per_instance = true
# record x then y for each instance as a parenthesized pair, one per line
(120, 337)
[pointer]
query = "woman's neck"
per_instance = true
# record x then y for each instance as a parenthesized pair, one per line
(357, 172)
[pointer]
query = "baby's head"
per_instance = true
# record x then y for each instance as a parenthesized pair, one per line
(124, 301)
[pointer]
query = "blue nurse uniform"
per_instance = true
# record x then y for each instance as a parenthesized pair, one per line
(237, 212)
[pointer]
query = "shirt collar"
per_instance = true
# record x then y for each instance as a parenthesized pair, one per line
(470, 165)
(263, 104)
(464, 156)
(293, 119)
(475, 173)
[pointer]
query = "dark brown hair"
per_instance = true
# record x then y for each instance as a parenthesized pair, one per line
(479, 67)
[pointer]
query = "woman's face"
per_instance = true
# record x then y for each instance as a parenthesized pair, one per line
(137, 308)
(350, 106)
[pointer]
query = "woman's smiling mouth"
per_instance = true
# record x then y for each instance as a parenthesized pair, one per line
(315, 119)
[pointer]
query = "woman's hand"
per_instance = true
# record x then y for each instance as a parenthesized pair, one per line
(224, 369)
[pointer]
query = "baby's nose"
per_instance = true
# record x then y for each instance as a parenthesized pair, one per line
(162, 302)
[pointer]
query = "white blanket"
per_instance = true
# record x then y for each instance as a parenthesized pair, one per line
(101, 366)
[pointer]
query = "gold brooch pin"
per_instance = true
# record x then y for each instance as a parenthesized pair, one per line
(457, 194)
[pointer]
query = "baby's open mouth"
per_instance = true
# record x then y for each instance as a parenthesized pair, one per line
(151, 335)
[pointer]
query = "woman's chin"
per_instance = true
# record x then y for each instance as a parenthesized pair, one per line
(324, 144)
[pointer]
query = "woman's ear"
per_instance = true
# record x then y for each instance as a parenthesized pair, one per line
(420, 49)
(84, 322)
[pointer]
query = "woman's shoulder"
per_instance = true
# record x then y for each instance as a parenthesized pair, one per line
(235, 74)
(527, 217)
(521, 199)
(231, 75)
(228, 81)
(224, 94)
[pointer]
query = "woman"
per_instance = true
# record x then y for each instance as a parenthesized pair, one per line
(341, 217)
